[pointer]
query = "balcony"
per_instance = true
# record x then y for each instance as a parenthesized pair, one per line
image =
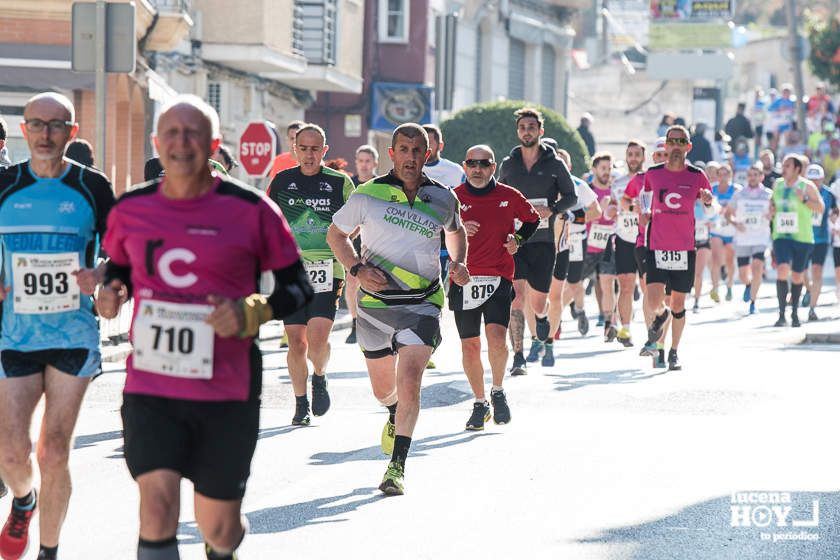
(577, 4)
(172, 25)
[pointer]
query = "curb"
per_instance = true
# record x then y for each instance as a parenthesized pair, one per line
(825, 338)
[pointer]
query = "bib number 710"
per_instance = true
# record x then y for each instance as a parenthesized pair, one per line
(183, 339)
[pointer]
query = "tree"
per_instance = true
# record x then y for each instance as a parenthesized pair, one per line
(825, 49)
(493, 124)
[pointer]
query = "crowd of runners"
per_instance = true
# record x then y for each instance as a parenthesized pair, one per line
(204, 261)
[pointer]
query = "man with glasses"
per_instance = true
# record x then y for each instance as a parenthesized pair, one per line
(53, 213)
(488, 210)
(669, 194)
(534, 169)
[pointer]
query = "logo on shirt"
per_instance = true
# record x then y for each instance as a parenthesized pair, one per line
(672, 201)
(23, 205)
(292, 187)
(503, 204)
(66, 207)
(165, 262)
(465, 207)
(325, 187)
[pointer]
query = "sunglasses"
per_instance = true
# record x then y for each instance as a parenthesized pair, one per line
(678, 141)
(485, 163)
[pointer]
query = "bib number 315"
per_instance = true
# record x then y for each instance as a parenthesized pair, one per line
(671, 260)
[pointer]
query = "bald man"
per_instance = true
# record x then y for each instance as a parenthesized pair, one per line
(187, 245)
(53, 212)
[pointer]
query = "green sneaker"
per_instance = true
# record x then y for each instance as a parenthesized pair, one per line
(388, 434)
(392, 482)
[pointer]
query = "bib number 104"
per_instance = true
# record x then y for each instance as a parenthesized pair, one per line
(45, 283)
(172, 339)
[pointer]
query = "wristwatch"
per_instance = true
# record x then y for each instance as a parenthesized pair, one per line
(354, 270)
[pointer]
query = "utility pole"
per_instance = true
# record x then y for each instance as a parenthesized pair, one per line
(605, 31)
(100, 85)
(796, 62)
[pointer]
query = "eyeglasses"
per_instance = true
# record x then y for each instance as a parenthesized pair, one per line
(485, 163)
(55, 125)
(678, 141)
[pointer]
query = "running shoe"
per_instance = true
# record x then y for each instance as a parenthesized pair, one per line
(752, 308)
(583, 323)
(600, 322)
(519, 365)
(636, 294)
(480, 415)
(430, 365)
(656, 326)
(14, 540)
(659, 360)
(746, 296)
(794, 320)
(543, 328)
(624, 337)
(729, 293)
(781, 322)
(284, 341)
(714, 295)
(723, 273)
(589, 287)
(208, 552)
(673, 360)
(501, 411)
(812, 315)
(649, 349)
(351, 338)
(696, 308)
(389, 432)
(320, 395)
(806, 299)
(610, 333)
(301, 417)
(575, 313)
(3, 489)
(393, 483)
(535, 351)
(548, 356)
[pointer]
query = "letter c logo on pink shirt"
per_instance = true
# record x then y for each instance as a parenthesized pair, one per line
(670, 200)
(165, 268)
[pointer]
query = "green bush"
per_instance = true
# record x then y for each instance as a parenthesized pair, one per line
(493, 124)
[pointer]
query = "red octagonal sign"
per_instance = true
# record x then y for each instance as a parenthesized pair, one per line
(257, 147)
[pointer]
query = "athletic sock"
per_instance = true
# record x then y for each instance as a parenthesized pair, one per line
(26, 503)
(496, 389)
(392, 413)
(48, 553)
(549, 342)
(401, 446)
(795, 292)
(781, 294)
(166, 549)
(300, 401)
(216, 555)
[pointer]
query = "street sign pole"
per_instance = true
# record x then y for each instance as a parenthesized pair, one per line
(100, 84)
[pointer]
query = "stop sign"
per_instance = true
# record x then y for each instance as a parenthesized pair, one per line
(257, 147)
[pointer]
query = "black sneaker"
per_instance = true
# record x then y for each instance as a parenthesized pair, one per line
(583, 323)
(501, 411)
(636, 294)
(655, 330)
(794, 321)
(519, 365)
(351, 338)
(480, 415)
(543, 329)
(301, 417)
(673, 361)
(320, 395)
(812, 315)
(781, 322)
(610, 333)
(572, 310)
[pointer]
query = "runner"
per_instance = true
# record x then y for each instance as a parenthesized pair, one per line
(672, 189)
(52, 214)
(488, 209)
(627, 232)
(794, 202)
(749, 210)
(401, 215)
(535, 170)
(822, 237)
(703, 248)
(309, 194)
(600, 241)
(568, 264)
(192, 395)
(286, 160)
(723, 234)
(367, 158)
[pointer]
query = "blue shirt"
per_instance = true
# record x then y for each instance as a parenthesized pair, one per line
(49, 228)
(821, 234)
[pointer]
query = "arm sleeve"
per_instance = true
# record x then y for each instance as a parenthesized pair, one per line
(526, 230)
(119, 272)
(291, 291)
(565, 189)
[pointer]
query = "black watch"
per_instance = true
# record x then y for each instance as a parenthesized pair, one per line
(354, 270)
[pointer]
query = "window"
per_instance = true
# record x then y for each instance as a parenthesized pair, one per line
(548, 84)
(393, 21)
(479, 59)
(316, 30)
(214, 96)
(516, 69)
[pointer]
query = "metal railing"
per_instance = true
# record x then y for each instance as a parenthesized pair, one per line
(115, 331)
(173, 5)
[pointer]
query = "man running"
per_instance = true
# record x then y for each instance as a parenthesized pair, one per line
(822, 236)
(488, 209)
(367, 159)
(535, 170)
(401, 216)
(309, 194)
(794, 202)
(673, 188)
(53, 213)
(190, 247)
(749, 210)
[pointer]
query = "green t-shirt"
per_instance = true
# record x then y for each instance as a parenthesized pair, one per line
(791, 213)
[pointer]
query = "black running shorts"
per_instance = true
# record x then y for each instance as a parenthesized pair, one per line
(78, 362)
(561, 265)
(679, 280)
(535, 263)
(625, 257)
(495, 310)
(322, 305)
(641, 259)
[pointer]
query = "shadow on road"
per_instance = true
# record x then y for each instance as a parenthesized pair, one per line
(614, 377)
(419, 448)
(560, 355)
(92, 439)
(446, 393)
(277, 431)
(704, 531)
(292, 516)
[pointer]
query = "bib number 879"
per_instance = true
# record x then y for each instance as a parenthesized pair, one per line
(184, 339)
(45, 283)
(482, 291)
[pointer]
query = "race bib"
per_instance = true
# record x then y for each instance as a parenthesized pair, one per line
(816, 219)
(787, 222)
(599, 235)
(701, 232)
(478, 290)
(671, 260)
(43, 283)
(835, 239)
(535, 202)
(753, 221)
(576, 247)
(628, 225)
(320, 275)
(173, 339)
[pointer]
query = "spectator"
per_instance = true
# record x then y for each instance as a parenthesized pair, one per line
(224, 156)
(287, 160)
(768, 163)
(367, 158)
(80, 151)
(739, 126)
(721, 150)
(4, 152)
(666, 122)
(701, 149)
(586, 121)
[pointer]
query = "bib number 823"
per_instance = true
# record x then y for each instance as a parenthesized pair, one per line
(45, 283)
